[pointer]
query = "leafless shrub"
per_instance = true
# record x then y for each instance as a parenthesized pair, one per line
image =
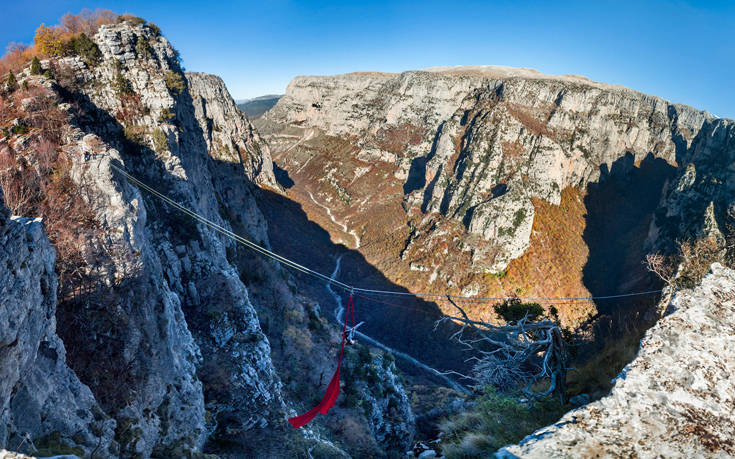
(689, 265)
(697, 256)
(523, 352)
(19, 184)
(662, 266)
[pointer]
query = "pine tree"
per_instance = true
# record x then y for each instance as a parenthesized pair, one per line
(35, 66)
(12, 83)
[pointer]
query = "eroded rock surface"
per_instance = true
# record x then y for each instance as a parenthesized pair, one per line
(41, 398)
(157, 318)
(675, 399)
(475, 144)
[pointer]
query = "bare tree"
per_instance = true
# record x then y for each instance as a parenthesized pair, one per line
(662, 267)
(524, 352)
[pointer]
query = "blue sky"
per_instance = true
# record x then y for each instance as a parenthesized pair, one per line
(683, 51)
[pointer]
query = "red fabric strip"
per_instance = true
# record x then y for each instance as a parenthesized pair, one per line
(332, 393)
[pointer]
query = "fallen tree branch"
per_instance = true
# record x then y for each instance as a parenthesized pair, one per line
(523, 352)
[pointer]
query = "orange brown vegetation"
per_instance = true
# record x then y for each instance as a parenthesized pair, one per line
(54, 41)
(552, 265)
(529, 120)
(512, 149)
(35, 177)
(396, 138)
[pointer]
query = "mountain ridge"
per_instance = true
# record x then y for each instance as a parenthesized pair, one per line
(506, 72)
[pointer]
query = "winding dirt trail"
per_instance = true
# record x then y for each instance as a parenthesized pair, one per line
(336, 222)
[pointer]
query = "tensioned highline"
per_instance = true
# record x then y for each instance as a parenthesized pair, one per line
(349, 288)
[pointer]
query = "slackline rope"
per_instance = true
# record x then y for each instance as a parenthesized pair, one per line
(332, 393)
(292, 264)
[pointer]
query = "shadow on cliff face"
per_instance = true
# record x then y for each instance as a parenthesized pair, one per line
(143, 312)
(282, 177)
(405, 323)
(620, 207)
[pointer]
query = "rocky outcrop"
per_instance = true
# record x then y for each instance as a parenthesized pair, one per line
(700, 201)
(202, 361)
(159, 324)
(674, 400)
(42, 402)
(230, 136)
(374, 389)
(157, 313)
(478, 144)
(4, 454)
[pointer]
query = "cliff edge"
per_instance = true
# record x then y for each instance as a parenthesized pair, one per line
(675, 399)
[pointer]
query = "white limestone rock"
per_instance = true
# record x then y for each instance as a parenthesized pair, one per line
(40, 396)
(479, 129)
(674, 400)
(229, 133)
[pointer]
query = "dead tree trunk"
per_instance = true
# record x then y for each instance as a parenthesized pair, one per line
(522, 353)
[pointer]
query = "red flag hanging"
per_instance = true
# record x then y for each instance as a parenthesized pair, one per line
(330, 397)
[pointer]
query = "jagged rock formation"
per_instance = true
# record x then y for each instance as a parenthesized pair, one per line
(230, 135)
(674, 400)
(701, 200)
(187, 336)
(465, 159)
(157, 319)
(40, 396)
(376, 391)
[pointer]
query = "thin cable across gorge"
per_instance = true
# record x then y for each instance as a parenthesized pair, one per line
(349, 288)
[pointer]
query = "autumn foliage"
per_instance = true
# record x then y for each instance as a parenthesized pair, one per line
(35, 176)
(59, 40)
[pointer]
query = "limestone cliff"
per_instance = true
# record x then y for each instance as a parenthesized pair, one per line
(230, 135)
(700, 200)
(160, 317)
(41, 399)
(185, 337)
(466, 158)
(674, 400)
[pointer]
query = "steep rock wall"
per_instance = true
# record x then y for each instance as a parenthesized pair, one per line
(156, 315)
(40, 396)
(449, 167)
(674, 400)
(159, 324)
(230, 136)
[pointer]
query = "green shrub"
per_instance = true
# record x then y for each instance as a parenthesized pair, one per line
(121, 85)
(86, 49)
(130, 19)
(134, 135)
(160, 141)
(155, 29)
(54, 444)
(364, 354)
(165, 115)
(513, 310)
(174, 82)
(494, 421)
(20, 129)
(35, 66)
(595, 376)
(143, 48)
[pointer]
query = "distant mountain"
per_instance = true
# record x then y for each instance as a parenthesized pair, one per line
(254, 108)
(473, 168)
